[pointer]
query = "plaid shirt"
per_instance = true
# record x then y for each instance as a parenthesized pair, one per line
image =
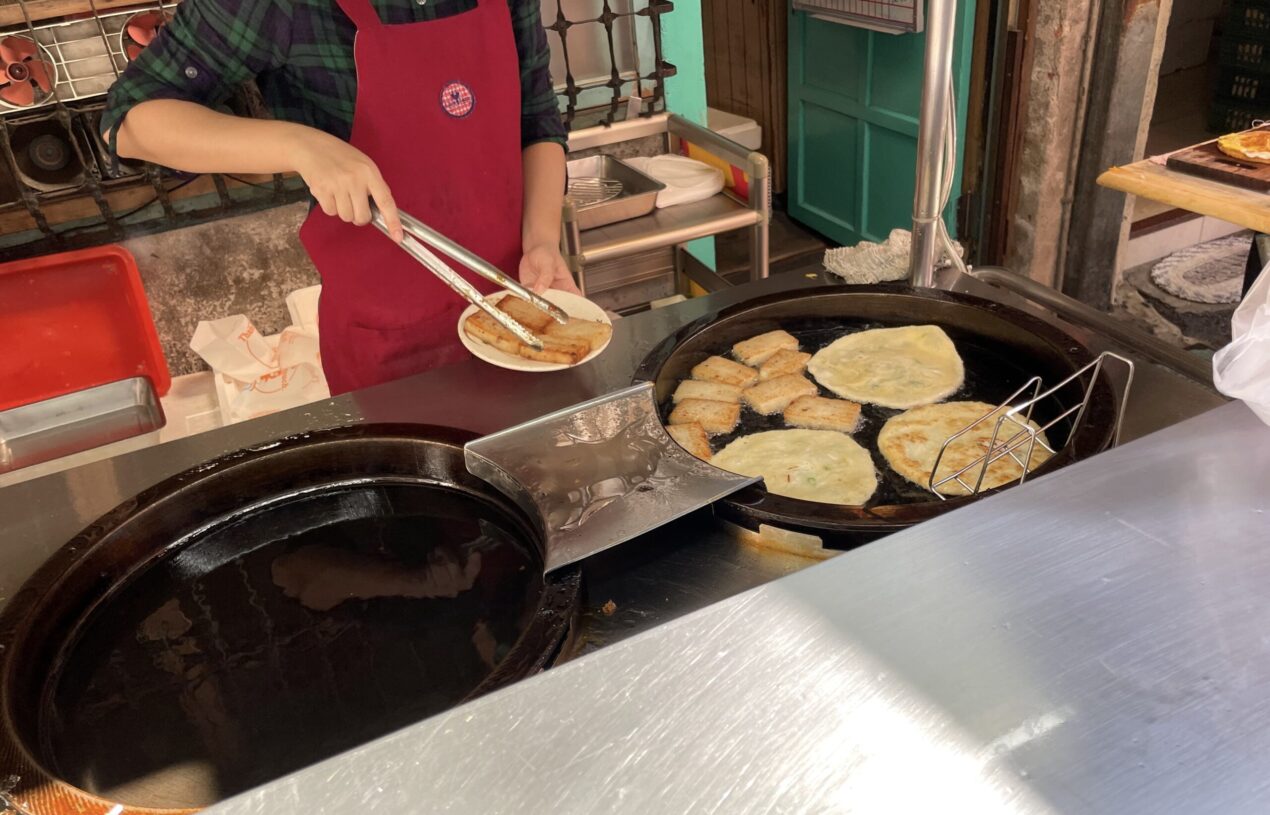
(300, 52)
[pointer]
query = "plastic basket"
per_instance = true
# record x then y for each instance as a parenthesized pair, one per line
(1248, 18)
(1244, 53)
(73, 321)
(1229, 116)
(1242, 87)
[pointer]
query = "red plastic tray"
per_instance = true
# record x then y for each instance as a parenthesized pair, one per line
(73, 321)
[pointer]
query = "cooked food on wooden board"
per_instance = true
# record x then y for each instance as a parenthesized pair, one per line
(712, 391)
(725, 371)
(693, 438)
(715, 418)
(910, 442)
(783, 363)
(1250, 145)
(774, 395)
(814, 465)
(757, 350)
(566, 344)
(892, 367)
(819, 413)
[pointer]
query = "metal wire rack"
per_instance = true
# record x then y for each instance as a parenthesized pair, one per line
(1025, 435)
(604, 53)
(79, 196)
(889, 16)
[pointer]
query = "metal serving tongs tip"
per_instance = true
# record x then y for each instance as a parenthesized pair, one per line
(419, 236)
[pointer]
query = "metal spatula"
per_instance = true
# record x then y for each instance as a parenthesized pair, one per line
(598, 474)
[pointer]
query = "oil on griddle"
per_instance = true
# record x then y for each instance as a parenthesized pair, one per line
(243, 658)
(992, 375)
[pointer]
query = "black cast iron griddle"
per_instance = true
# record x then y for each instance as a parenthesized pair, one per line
(1002, 348)
(259, 613)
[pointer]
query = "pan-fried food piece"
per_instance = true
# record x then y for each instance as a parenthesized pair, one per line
(892, 367)
(716, 418)
(593, 333)
(559, 350)
(783, 363)
(712, 391)
(725, 371)
(819, 413)
(692, 437)
(910, 442)
(484, 328)
(525, 313)
(556, 349)
(1250, 145)
(775, 395)
(757, 350)
(814, 465)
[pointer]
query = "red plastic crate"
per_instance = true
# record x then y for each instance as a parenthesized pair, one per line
(73, 321)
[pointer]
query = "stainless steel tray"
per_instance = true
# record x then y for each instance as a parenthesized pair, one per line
(638, 196)
(78, 421)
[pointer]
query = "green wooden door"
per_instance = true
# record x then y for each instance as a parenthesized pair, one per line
(854, 97)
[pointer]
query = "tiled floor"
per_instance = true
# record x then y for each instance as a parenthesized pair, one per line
(1155, 245)
(790, 242)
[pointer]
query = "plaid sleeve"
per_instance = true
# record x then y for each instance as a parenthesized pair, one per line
(539, 114)
(209, 48)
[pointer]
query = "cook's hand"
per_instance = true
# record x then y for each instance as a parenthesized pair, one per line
(343, 179)
(543, 268)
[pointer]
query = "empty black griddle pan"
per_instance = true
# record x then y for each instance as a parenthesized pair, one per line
(263, 611)
(1002, 349)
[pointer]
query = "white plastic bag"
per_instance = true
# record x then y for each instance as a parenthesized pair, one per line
(263, 374)
(1241, 370)
(687, 180)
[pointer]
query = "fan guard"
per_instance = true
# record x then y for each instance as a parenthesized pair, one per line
(28, 73)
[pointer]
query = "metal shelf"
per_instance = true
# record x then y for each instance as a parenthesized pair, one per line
(676, 225)
(667, 227)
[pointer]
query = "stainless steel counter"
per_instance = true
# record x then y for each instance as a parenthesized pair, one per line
(1095, 641)
(655, 579)
(687, 566)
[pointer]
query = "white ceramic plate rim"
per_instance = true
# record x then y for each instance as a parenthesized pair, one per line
(572, 304)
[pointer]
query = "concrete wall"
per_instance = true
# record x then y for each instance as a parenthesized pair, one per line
(1093, 77)
(1186, 76)
(1051, 130)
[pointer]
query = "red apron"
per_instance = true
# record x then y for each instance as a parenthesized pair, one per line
(438, 110)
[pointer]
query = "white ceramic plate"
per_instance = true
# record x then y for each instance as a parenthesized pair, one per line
(572, 304)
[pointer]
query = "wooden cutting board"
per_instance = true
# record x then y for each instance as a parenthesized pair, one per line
(1206, 161)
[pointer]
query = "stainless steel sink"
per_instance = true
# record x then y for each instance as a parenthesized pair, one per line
(79, 421)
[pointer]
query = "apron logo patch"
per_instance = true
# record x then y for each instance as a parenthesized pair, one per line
(457, 99)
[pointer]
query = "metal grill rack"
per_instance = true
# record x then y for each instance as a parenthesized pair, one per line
(90, 199)
(1024, 436)
(888, 16)
(604, 52)
(607, 52)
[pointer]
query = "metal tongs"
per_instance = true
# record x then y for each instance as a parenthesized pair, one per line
(419, 236)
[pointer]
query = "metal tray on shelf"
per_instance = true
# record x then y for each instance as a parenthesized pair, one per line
(637, 197)
(78, 421)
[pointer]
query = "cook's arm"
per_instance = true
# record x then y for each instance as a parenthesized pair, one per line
(542, 266)
(543, 139)
(160, 109)
(188, 136)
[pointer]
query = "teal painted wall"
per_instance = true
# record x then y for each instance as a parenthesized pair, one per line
(854, 99)
(684, 48)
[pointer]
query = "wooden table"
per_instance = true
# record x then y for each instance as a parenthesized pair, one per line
(1192, 193)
